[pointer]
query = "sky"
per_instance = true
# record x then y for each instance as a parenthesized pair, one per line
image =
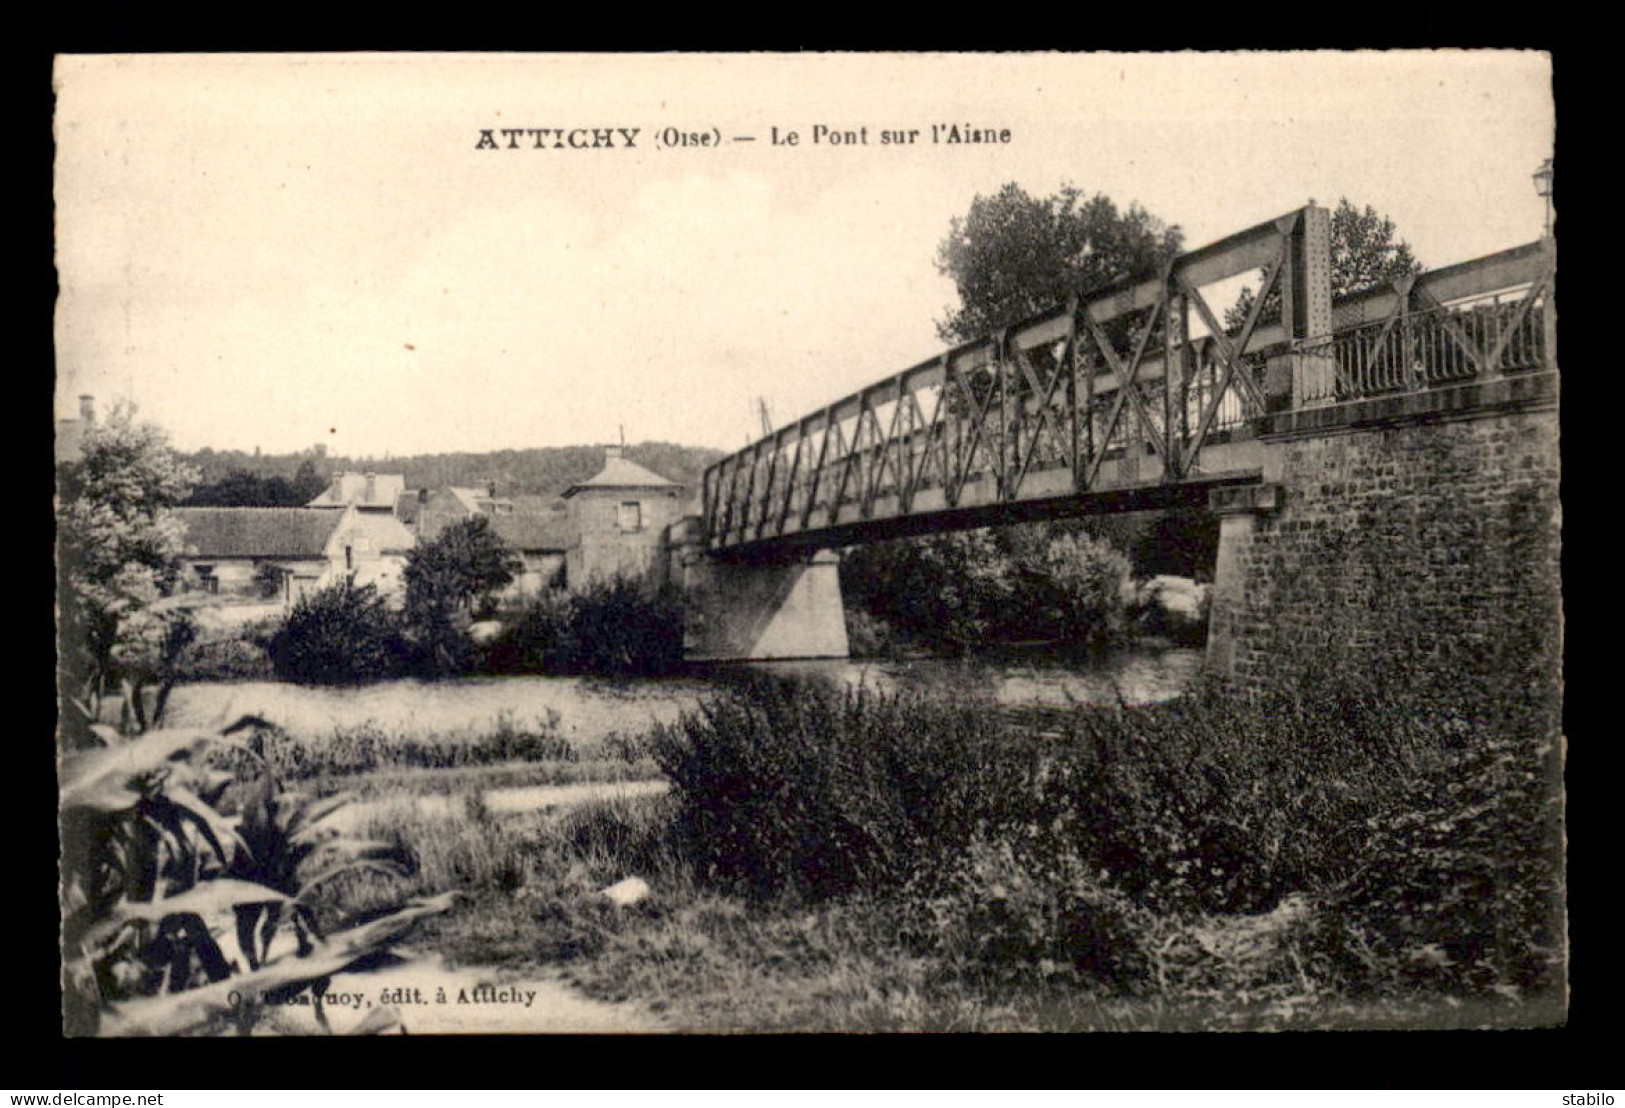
(276, 251)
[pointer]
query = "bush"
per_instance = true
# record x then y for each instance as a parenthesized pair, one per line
(611, 627)
(1460, 889)
(618, 627)
(948, 589)
(998, 914)
(239, 658)
(341, 635)
(785, 787)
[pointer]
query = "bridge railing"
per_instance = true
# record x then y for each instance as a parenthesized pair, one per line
(1482, 319)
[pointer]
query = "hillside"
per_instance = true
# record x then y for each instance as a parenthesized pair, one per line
(540, 471)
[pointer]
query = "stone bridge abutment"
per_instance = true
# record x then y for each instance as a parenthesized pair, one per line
(1424, 530)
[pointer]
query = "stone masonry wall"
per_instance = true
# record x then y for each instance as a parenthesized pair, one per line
(1433, 542)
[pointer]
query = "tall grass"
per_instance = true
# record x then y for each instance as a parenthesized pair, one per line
(1374, 836)
(370, 746)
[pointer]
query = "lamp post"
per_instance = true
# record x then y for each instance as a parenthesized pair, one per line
(1543, 188)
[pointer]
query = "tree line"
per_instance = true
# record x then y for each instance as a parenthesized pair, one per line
(234, 478)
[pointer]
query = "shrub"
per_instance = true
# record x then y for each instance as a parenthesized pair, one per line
(785, 787)
(997, 914)
(1459, 887)
(611, 627)
(949, 589)
(341, 635)
(616, 626)
(233, 659)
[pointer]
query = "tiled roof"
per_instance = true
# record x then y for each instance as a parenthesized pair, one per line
(619, 473)
(531, 531)
(257, 532)
(406, 507)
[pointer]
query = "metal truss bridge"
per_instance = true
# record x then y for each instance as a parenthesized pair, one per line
(1135, 396)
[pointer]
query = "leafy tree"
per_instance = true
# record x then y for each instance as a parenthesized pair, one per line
(308, 484)
(1011, 256)
(117, 540)
(445, 578)
(952, 589)
(466, 561)
(1014, 254)
(243, 489)
(1365, 254)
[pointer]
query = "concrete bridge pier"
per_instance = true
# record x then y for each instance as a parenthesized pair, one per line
(735, 610)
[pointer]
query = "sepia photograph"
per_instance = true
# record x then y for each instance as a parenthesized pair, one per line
(692, 544)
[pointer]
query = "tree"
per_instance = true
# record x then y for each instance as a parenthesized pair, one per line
(307, 483)
(117, 540)
(444, 578)
(951, 589)
(1079, 585)
(243, 489)
(1365, 254)
(466, 561)
(1014, 255)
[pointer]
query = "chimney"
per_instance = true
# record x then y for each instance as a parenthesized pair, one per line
(372, 488)
(87, 409)
(491, 487)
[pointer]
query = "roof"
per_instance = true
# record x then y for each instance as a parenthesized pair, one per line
(388, 534)
(524, 503)
(619, 473)
(351, 488)
(531, 530)
(257, 532)
(478, 500)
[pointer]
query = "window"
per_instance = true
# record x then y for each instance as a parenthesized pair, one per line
(631, 515)
(206, 579)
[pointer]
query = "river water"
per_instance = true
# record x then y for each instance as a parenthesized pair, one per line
(589, 708)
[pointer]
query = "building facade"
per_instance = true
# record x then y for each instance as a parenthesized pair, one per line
(617, 523)
(279, 555)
